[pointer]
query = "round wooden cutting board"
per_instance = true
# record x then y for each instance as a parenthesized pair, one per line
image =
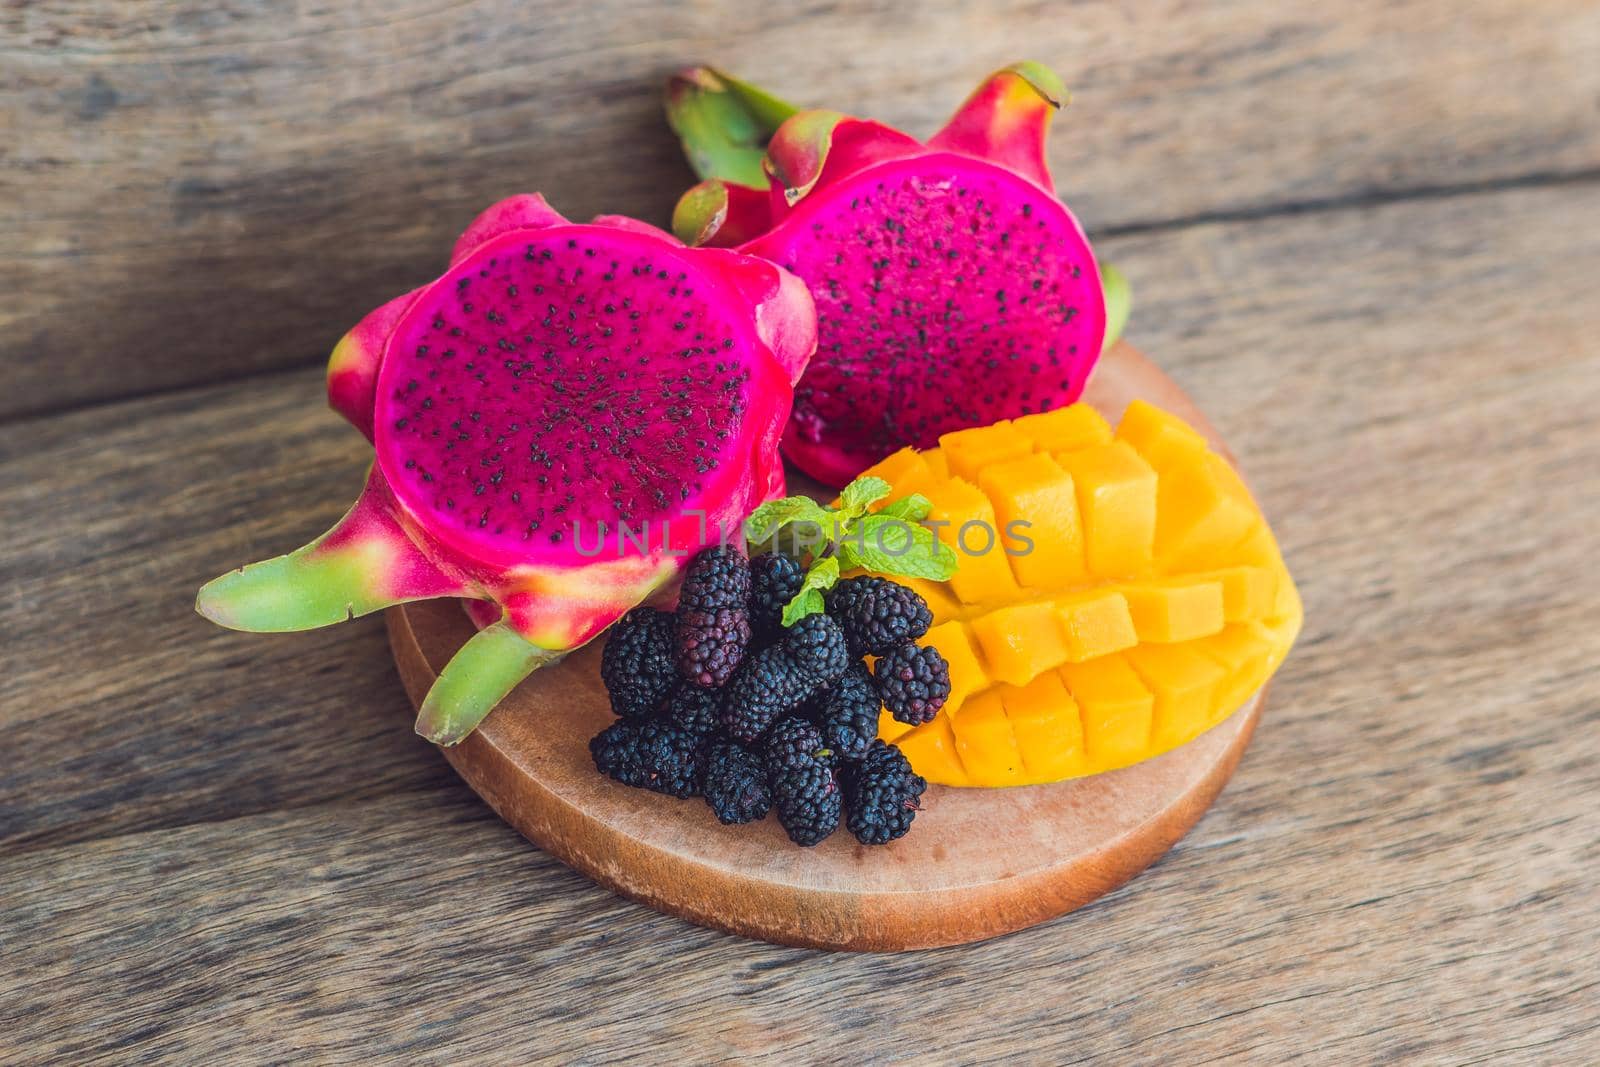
(977, 862)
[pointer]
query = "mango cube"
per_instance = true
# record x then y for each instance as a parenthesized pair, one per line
(1048, 730)
(1171, 610)
(1159, 436)
(984, 742)
(931, 748)
(1184, 682)
(1096, 623)
(1117, 710)
(1248, 593)
(1065, 429)
(1117, 500)
(1259, 549)
(1244, 652)
(970, 451)
(967, 674)
(1021, 641)
(1198, 518)
(966, 519)
(895, 466)
(1035, 497)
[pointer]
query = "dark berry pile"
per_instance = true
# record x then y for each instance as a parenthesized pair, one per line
(720, 700)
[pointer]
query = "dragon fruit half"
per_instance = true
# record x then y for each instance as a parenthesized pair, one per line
(953, 289)
(559, 421)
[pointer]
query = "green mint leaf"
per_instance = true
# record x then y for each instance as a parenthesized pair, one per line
(861, 494)
(805, 602)
(824, 574)
(894, 546)
(765, 521)
(913, 508)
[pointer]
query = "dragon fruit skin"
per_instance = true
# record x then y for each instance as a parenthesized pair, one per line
(557, 377)
(953, 289)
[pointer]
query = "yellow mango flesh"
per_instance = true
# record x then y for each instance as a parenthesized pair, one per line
(1170, 610)
(1184, 683)
(1117, 499)
(1151, 604)
(1021, 641)
(1117, 710)
(896, 467)
(1048, 728)
(1034, 494)
(1096, 623)
(910, 475)
(967, 673)
(964, 516)
(931, 748)
(1244, 652)
(1159, 436)
(1065, 429)
(1199, 517)
(1248, 593)
(969, 452)
(985, 743)
(890, 728)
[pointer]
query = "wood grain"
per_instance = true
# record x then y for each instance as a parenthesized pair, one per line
(1402, 869)
(122, 710)
(190, 191)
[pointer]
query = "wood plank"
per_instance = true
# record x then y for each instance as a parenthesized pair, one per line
(1445, 363)
(197, 193)
(122, 709)
(1385, 880)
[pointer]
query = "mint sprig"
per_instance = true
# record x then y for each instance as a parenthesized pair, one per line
(891, 540)
(820, 577)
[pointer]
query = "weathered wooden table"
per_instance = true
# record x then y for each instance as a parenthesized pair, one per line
(1365, 236)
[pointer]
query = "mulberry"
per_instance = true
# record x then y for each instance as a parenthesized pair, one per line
(692, 708)
(818, 647)
(847, 713)
(637, 662)
(882, 795)
(913, 682)
(805, 790)
(877, 614)
(651, 755)
(736, 784)
(712, 629)
(766, 687)
(774, 581)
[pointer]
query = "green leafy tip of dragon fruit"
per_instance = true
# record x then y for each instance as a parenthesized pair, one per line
(847, 536)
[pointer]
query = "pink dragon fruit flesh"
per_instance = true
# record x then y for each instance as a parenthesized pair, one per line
(559, 422)
(952, 288)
